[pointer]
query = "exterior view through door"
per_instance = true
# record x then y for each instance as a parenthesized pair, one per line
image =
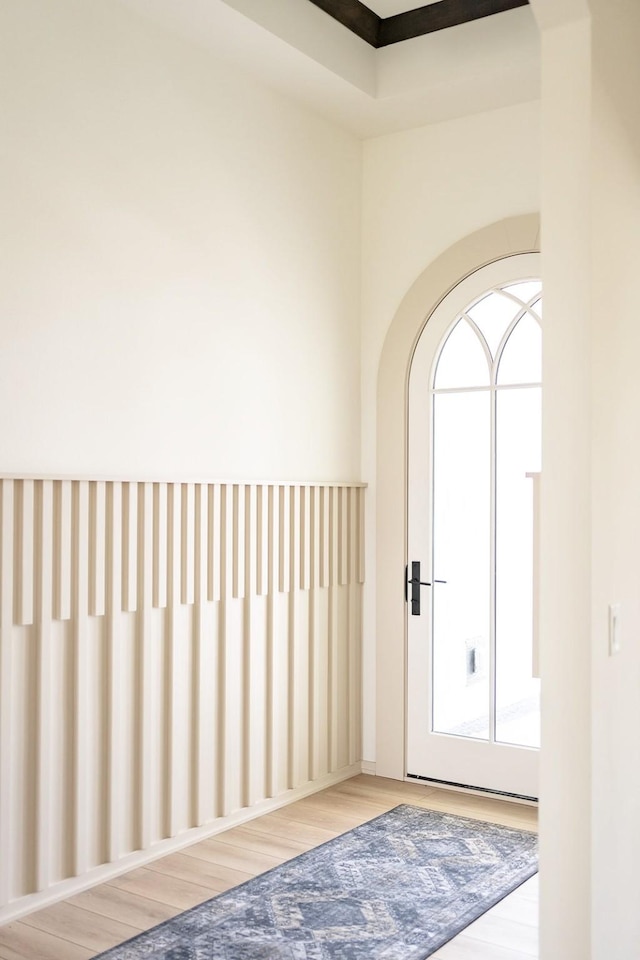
(473, 715)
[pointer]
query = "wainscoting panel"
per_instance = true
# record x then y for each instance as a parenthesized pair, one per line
(170, 654)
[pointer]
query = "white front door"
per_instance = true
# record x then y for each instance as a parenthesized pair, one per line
(474, 444)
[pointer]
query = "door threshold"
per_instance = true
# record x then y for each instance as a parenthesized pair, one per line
(477, 791)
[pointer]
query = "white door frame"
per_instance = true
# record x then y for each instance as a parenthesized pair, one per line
(500, 240)
(492, 765)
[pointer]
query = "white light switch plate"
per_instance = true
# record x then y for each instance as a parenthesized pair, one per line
(614, 629)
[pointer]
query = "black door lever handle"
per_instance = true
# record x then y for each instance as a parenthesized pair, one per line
(416, 583)
(425, 583)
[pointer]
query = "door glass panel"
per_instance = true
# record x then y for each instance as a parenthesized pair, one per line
(521, 360)
(518, 453)
(461, 556)
(463, 361)
(492, 315)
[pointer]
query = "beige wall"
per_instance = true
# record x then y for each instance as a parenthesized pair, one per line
(180, 286)
(591, 525)
(616, 476)
(565, 769)
(425, 190)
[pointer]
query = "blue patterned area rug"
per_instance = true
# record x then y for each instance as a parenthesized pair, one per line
(395, 888)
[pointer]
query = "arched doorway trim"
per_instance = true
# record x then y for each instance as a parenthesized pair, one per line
(499, 240)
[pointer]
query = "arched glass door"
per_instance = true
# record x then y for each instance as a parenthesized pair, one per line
(474, 456)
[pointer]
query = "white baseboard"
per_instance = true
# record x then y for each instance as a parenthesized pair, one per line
(369, 767)
(107, 871)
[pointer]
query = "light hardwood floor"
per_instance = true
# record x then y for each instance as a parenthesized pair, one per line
(78, 928)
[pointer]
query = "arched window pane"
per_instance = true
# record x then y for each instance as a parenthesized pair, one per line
(525, 291)
(521, 360)
(537, 307)
(462, 362)
(492, 315)
(518, 444)
(462, 555)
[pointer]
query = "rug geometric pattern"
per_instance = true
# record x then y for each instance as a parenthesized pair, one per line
(395, 888)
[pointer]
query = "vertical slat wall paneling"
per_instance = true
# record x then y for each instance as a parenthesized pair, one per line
(360, 577)
(281, 662)
(6, 685)
(301, 639)
(332, 630)
(232, 649)
(25, 731)
(97, 548)
(79, 616)
(189, 646)
(62, 550)
(353, 698)
(293, 654)
(250, 696)
(172, 718)
(213, 543)
(183, 650)
(160, 515)
(43, 612)
(114, 666)
(188, 541)
(129, 547)
(146, 747)
(216, 682)
(342, 659)
(322, 641)
(315, 637)
(24, 553)
(273, 566)
(200, 503)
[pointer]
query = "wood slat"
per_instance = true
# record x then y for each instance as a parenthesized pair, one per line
(24, 552)
(284, 540)
(262, 540)
(43, 615)
(172, 704)
(160, 516)
(213, 537)
(7, 515)
(238, 559)
(80, 609)
(114, 667)
(129, 547)
(62, 550)
(146, 751)
(97, 548)
(199, 678)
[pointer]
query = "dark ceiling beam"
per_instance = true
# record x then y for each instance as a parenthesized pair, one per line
(439, 16)
(380, 32)
(354, 15)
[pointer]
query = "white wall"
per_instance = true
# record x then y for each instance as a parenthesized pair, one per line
(591, 474)
(181, 272)
(565, 763)
(616, 475)
(424, 190)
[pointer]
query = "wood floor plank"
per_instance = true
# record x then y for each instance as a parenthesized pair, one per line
(272, 846)
(109, 901)
(82, 927)
(201, 871)
(173, 891)
(19, 941)
(235, 857)
(463, 948)
(503, 932)
(284, 827)
(96, 919)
